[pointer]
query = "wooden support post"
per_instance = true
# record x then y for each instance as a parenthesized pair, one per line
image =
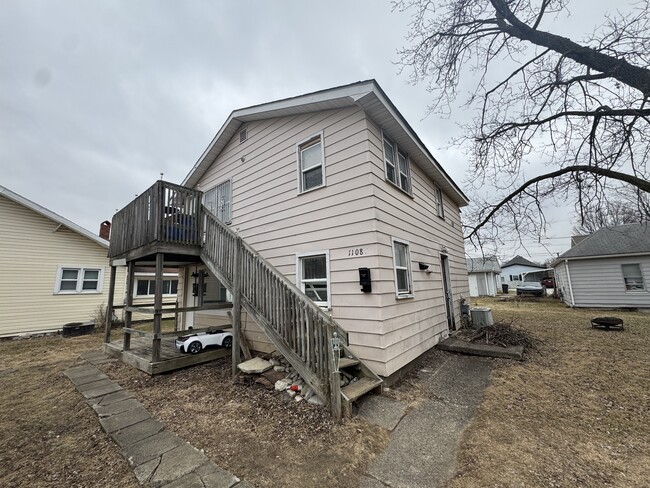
(236, 305)
(108, 322)
(128, 315)
(158, 301)
(201, 290)
(335, 377)
(176, 318)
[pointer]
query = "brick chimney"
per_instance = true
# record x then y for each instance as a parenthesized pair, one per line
(105, 230)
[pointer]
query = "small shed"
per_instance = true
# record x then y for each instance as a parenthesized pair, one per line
(483, 274)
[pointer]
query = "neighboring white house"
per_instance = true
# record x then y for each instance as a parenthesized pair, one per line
(483, 274)
(610, 268)
(518, 270)
(325, 185)
(52, 271)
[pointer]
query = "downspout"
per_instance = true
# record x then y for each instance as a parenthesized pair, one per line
(568, 275)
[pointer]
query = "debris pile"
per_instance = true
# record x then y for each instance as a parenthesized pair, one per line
(500, 333)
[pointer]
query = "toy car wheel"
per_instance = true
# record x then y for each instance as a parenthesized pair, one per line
(227, 342)
(194, 347)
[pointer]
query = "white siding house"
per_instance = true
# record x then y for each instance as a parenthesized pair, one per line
(330, 183)
(609, 269)
(515, 271)
(52, 271)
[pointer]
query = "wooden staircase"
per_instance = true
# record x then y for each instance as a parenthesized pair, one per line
(298, 328)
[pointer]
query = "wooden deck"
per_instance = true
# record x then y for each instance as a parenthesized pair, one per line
(139, 355)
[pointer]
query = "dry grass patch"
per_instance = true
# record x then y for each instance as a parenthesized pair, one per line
(574, 414)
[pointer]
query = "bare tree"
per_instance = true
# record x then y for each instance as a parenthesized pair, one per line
(624, 210)
(580, 108)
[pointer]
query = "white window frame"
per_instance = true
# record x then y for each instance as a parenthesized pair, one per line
(299, 148)
(440, 207)
(409, 273)
(301, 285)
(396, 152)
(639, 276)
(150, 277)
(80, 280)
(221, 205)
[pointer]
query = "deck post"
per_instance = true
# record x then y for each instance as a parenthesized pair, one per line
(236, 305)
(108, 322)
(128, 315)
(335, 376)
(157, 316)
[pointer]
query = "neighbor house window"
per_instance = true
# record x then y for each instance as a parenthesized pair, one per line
(79, 280)
(218, 200)
(515, 277)
(440, 209)
(396, 163)
(147, 287)
(402, 260)
(313, 277)
(633, 277)
(311, 163)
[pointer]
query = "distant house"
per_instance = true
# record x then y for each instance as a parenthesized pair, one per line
(483, 276)
(52, 271)
(610, 268)
(518, 270)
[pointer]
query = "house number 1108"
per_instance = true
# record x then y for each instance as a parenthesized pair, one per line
(355, 252)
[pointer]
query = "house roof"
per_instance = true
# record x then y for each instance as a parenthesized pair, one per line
(5, 192)
(608, 241)
(486, 264)
(365, 94)
(522, 262)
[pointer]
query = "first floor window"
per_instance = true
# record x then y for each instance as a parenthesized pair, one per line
(633, 277)
(147, 287)
(310, 163)
(314, 277)
(401, 257)
(515, 277)
(79, 280)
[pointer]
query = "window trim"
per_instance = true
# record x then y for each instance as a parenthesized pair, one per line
(396, 152)
(643, 281)
(440, 206)
(318, 135)
(409, 270)
(80, 280)
(148, 277)
(227, 180)
(299, 282)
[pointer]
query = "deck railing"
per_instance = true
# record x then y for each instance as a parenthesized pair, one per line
(300, 329)
(165, 213)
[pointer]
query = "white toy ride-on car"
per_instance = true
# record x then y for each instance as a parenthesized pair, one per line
(194, 343)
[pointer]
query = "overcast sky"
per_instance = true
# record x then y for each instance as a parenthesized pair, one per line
(98, 98)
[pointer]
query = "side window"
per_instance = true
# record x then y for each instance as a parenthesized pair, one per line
(313, 277)
(311, 164)
(396, 163)
(79, 280)
(633, 277)
(402, 263)
(218, 200)
(440, 209)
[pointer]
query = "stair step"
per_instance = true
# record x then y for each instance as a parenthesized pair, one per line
(347, 362)
(359, 388)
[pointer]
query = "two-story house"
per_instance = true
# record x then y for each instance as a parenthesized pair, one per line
(336, 192)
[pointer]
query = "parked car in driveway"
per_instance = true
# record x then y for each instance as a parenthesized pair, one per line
(530, 288)
(548, 282)
(197, 342)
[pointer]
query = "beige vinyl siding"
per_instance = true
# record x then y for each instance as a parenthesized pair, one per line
(31, 251)
(410, 326)
(599, 283)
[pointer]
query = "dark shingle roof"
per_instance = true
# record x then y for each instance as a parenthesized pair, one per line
(521, 261)
(482, 265)
(622, 239)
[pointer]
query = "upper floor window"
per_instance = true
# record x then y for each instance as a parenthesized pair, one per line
(311, 165)
(79, 280)
(440, 209)
(397, 165)
(313, 277)
(633, 277)
(218, 200)
(402, 260)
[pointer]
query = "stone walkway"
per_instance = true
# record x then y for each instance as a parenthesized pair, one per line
(158, 457)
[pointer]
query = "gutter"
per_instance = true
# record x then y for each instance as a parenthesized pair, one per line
(568, 275)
